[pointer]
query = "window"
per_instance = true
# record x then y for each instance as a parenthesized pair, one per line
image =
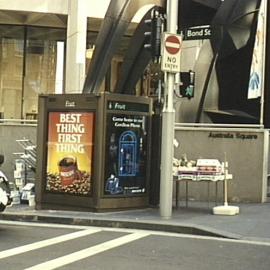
(44, 65)
(31, 63)
(11, 66)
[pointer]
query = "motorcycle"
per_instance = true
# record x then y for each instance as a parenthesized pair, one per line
(5, 197)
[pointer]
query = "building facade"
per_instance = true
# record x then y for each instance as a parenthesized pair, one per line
(46, 47)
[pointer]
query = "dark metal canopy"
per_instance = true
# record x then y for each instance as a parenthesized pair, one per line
(196, 12)
(232, 26)
(118, 16)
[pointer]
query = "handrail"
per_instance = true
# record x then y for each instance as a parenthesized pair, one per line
(206, 125)
(18, 121)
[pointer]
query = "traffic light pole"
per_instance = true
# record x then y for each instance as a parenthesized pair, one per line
(168, 118)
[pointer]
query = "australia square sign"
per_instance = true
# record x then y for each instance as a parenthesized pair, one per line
(171, 52)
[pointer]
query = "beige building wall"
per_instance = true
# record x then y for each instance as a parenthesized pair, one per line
(94, 8)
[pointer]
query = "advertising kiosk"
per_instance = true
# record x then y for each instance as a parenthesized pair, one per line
(93, 152)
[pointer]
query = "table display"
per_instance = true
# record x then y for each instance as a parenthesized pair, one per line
(203, 170)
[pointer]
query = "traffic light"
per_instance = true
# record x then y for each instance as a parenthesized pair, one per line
(187, 84)
(153, 36)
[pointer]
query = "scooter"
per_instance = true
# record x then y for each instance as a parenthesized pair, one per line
(5, 197)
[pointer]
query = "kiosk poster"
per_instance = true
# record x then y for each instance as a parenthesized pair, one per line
(70, 152)
(126, 155)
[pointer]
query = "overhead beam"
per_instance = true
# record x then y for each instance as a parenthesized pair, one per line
(115, 24)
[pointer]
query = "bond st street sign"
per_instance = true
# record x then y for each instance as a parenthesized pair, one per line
(198, 32)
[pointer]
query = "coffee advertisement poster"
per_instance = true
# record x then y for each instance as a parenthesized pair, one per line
(70, 152)
(126, 155)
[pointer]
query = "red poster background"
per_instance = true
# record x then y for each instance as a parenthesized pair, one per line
(84, 156)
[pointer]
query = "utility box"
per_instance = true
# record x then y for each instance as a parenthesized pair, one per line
(93, 152)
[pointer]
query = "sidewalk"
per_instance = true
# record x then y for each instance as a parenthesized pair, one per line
(253, 222)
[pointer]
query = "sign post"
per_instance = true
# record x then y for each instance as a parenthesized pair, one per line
(171, 65)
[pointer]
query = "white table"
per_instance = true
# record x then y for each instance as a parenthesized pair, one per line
(198, 178)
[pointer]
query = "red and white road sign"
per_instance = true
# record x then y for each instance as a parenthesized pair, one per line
(170, 60)
(172, 44)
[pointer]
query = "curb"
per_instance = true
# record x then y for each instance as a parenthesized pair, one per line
(111, 223)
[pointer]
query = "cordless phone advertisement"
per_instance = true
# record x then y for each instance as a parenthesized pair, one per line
(70, 152)
(126, 154)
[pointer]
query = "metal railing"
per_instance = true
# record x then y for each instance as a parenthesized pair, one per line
(211, 125)
(25, 122)
(29, 155)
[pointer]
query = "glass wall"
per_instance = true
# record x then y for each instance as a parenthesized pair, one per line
(11, 67)
(31, 63)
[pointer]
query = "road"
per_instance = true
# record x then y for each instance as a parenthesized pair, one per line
(47, 246)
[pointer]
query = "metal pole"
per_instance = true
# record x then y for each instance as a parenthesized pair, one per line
(168, 118)
(265, 18)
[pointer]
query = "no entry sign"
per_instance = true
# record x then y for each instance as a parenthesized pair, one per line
(172, 44)
(171, 53)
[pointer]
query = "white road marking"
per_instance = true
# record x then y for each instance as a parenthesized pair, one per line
(47, 242)
(46, 225)
(161, 233)
(84, 253)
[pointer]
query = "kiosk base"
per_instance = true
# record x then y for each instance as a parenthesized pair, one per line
(226, 210)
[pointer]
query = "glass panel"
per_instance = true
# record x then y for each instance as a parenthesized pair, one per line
(125, 154)
(70, 152)
(11, 70)
(44, 66)
(90, 46)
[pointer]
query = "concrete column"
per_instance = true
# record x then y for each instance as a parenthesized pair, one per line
(76, 46)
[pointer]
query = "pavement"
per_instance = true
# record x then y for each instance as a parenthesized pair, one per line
(252, 223)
